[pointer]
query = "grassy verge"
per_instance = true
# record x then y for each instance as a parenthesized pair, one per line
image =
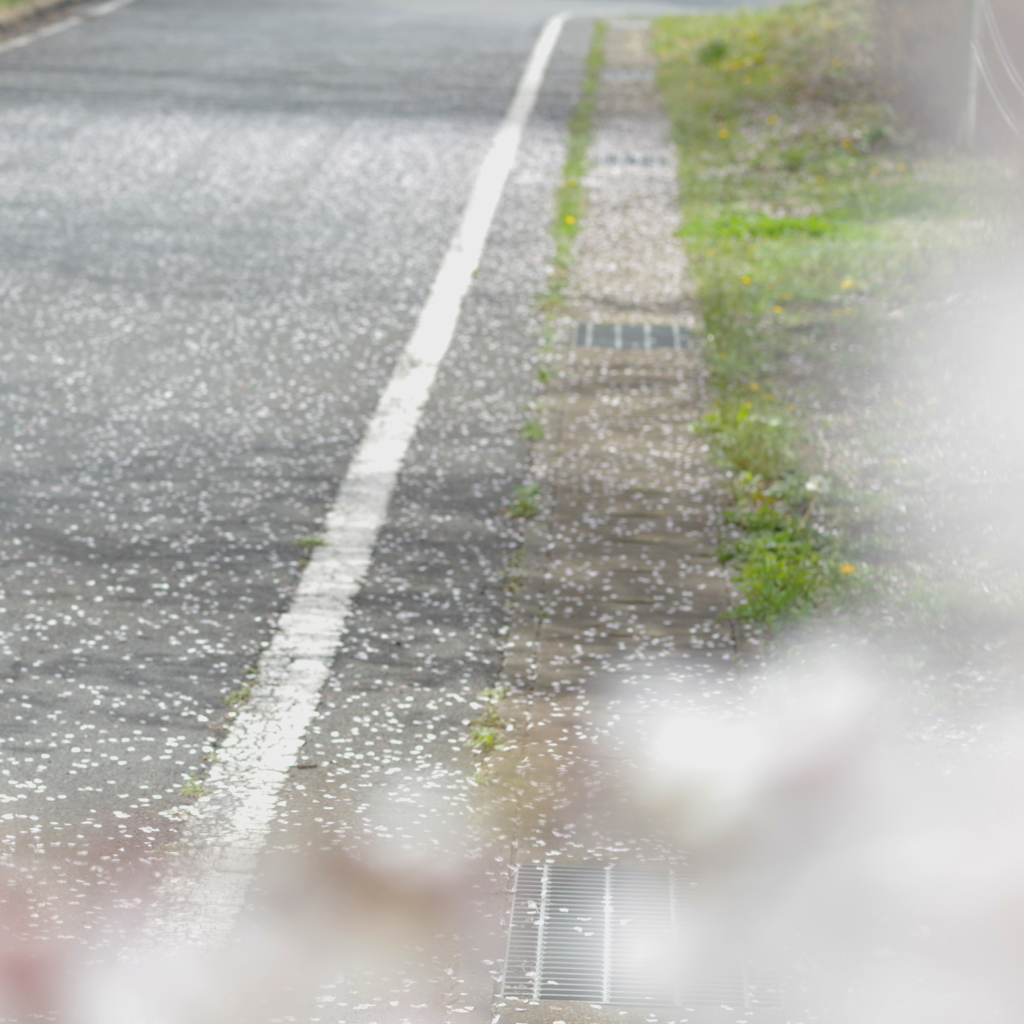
(13, 10)
(569, 196)
(817, 234)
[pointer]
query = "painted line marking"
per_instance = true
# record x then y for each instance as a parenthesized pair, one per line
(99, 11)
(197, 904)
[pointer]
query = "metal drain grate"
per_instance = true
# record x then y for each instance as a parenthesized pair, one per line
(627, 75)
(612, 935)
(639, 336)
(631, 160)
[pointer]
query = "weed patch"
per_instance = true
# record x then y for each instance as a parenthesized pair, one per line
(513, 575)
(525, 503)
(570, 195)
(192, 789)
(485, 731)
(239, 696)
(812, 224)
(532, 430)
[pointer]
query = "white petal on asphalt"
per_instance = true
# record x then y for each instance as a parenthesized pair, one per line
(198, 903)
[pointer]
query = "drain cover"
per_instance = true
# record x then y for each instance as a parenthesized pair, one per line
(627, 75)
(642, 336)
(612, 935)
(631, 160)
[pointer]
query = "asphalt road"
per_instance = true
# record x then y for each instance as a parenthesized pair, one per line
(219, 221)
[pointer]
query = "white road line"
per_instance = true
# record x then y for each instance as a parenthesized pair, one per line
(197, 904)
(99, 11)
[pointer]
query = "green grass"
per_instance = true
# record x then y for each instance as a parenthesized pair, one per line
(570, 195)
(239, 696)
(809, 216)
(525, 503)
(513, 575)
(532, 430)
(192, 789)
(486, 730)
(569, 212)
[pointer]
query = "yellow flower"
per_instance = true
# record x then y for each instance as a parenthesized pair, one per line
(723, 133)
(772, 119)
(901, 168)
(776, 309)
(847, 284)
(837, 63)
(746, 279)
(570, 219)
(847, 567)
